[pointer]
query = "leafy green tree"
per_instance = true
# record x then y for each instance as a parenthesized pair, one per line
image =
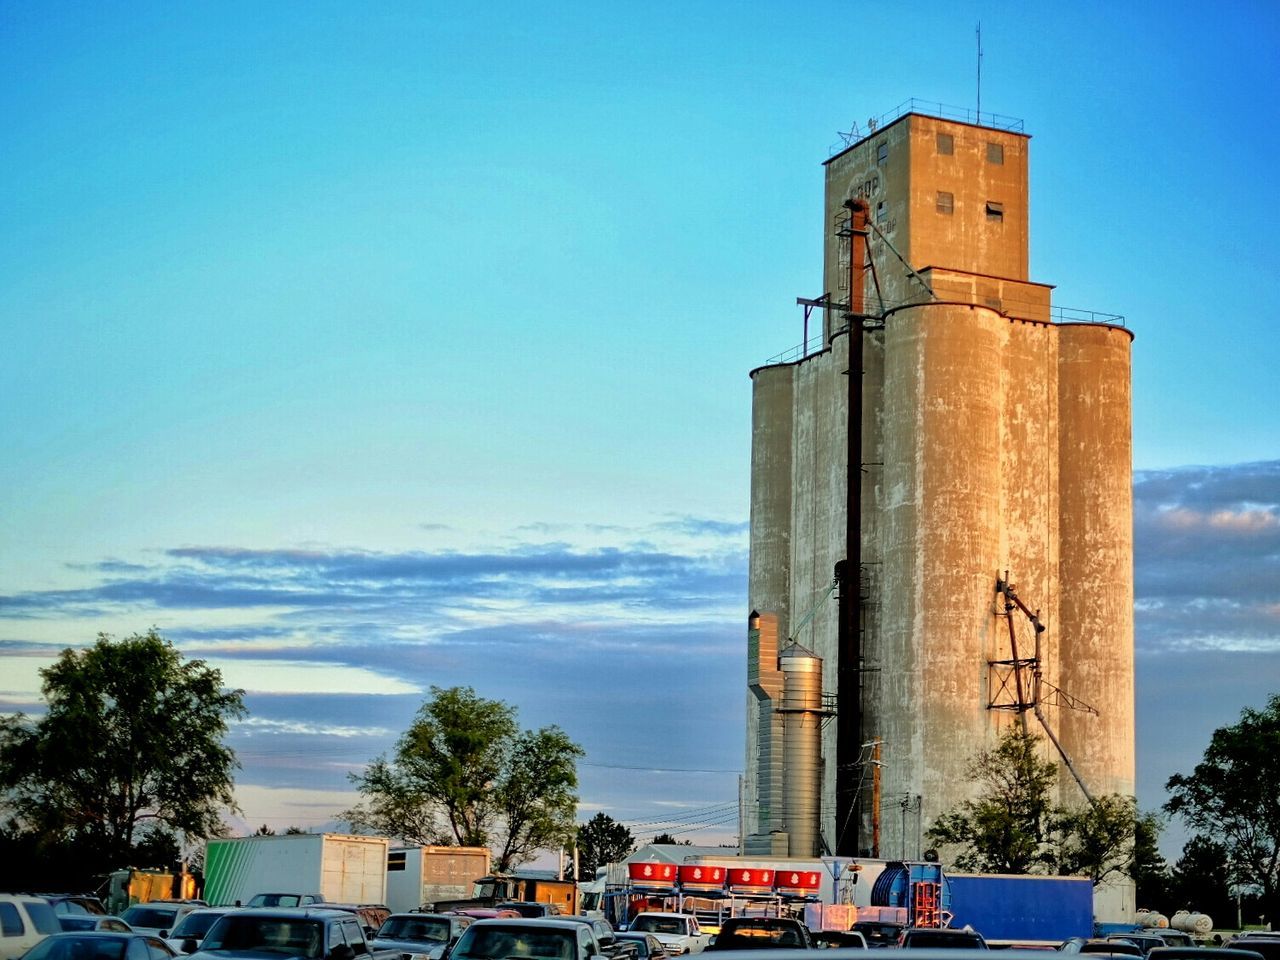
(1005, 828)
(537, 795)
(1201, 880)
(132, 742)
(668, 838)
(464, 773)
(602, 840)
(1150, 872)
(1234, 796)
(1096, 840)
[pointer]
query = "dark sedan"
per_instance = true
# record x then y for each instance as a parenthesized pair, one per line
(100, 945)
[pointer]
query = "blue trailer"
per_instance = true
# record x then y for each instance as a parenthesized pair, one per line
(1021, 908)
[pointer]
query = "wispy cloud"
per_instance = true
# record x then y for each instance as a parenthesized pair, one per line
(1207, 558)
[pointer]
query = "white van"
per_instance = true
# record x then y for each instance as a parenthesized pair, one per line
(24, 922)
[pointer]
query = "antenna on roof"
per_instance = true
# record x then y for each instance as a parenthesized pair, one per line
(979, 32)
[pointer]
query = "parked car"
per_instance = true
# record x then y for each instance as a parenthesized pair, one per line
(1114, 948)
(1203, 953)
(879, 934)
(1144, 941)
(550, 938)
(1269, 947)
(679, 932)
(285, 900)
(531, 908)
(420, 934)
(304, 933)
(372, 915)
(840, 940)
(100, 945)
(25, 920)
(761, 933)
(1173, 938)
(75, 904)
(190, 930)
(648, 947)
(600, 928)
(158, 917)
(85, 921)
(941, 938)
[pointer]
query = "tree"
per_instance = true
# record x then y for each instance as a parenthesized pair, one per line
(464, 773)
(132, 742)
(669, 839)
(1234, 796)
(1201, 881)
(602, 840)
(1150, 872)
(1005, 828)
(1096, 840)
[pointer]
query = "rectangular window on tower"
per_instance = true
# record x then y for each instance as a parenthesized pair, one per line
(946, 202)
(882, 211)
(995, 211)
(995, 153)
(882, 153)
(946, 145)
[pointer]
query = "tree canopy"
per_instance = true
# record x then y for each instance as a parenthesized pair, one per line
(464, 773)
(1233, 797)
(1003, 830)
(1012, 826)
(129, 755)
(602, 840)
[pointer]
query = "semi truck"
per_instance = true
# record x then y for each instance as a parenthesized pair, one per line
(339, 867)
(491, 890)
(417, 876)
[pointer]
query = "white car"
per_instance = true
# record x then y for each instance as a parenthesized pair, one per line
(24, 922)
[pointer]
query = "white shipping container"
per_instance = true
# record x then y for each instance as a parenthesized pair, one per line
(422, 875)
(342, 868)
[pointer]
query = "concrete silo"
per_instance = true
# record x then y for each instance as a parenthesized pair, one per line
(995, 440)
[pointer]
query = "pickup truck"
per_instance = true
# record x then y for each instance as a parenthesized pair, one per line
(542, 938)
(678, 932)
(305, 933)
(762, 933)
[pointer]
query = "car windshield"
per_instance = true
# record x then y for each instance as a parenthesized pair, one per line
(415, 928)
(942, 938)
(500, 942)
(284, 935)
(194, 926)
(675, 925)
(277, 900)
(759, 934)
(142, 915)
(77, 948)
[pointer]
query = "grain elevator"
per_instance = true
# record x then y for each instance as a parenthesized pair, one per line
(956, 556)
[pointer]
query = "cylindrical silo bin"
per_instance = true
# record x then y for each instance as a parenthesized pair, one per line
(801, 711)
(1095, 628)
(939, 547)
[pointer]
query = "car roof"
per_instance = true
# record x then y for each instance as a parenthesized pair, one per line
(318, 912)
(536, 923)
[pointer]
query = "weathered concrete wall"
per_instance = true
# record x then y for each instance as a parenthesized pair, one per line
(1096, 559)
(993, 441)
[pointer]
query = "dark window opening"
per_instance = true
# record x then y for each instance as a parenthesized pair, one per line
(995, 153)
(946, 144)
(995, 211)
(882, 153)
(946, 202)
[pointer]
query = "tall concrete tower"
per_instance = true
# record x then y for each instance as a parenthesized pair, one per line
(994, 448)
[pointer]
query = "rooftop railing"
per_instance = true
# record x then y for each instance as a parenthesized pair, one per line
(928, 108)
(815, 344)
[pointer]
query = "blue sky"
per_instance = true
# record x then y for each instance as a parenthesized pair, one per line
(362, 348)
